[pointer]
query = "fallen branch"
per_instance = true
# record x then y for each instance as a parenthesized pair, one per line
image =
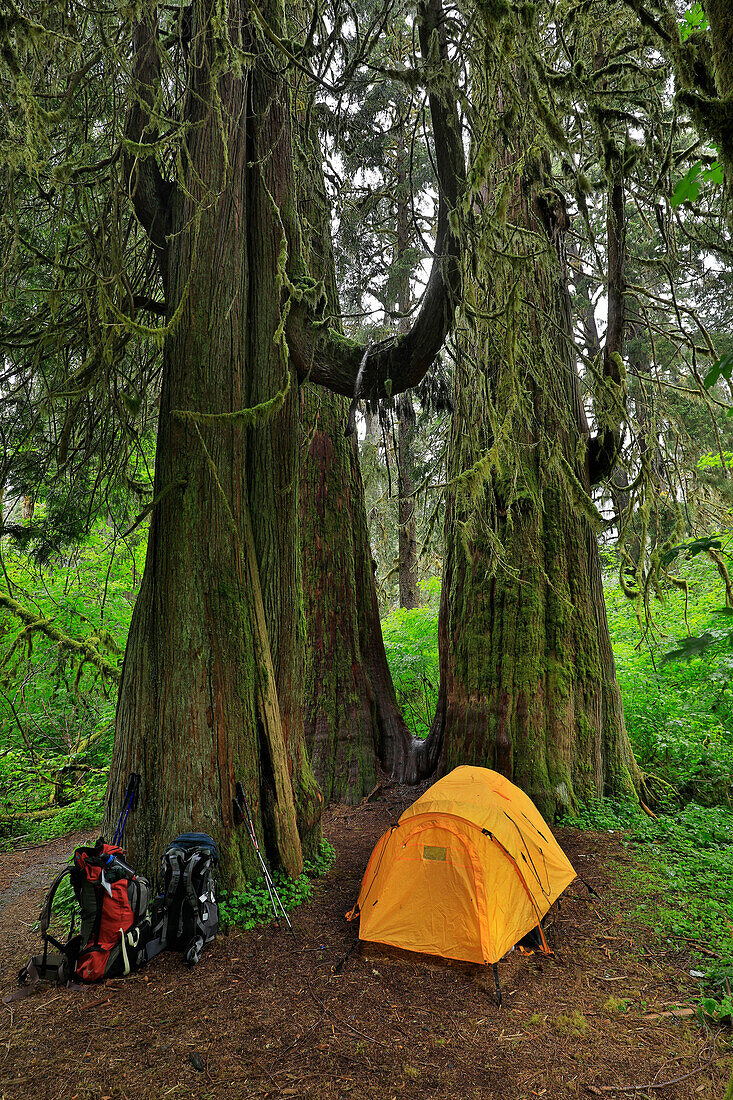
(372, 793)
(34, 815)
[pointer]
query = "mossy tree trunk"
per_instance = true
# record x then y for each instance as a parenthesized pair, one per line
(209, 691)
(527, 677)
(720, 17)
(353, 722)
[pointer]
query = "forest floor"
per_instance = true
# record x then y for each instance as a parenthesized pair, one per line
(612, 1014)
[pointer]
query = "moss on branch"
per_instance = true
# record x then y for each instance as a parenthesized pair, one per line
(84, 650)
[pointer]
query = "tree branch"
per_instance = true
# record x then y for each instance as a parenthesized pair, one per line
(85, 650)
(395, 365)
(142, 301)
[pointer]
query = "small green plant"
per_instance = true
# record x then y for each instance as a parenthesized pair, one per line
(717, 981)
(712, 1010)
(249, 907)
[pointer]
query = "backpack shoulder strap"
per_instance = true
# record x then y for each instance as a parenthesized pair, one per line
(57, 963)
(174, 857)
(45, 915)
(191, 863)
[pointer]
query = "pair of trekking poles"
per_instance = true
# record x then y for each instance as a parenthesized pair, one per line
(243, 814)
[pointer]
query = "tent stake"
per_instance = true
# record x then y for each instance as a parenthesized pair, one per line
(495, 968)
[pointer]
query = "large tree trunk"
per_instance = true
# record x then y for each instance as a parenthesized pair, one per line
(351, 710)
(340, 708)
(210, 689)
(352, 719)
(527, 682)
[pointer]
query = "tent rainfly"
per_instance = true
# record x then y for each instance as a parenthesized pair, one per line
(467, 872)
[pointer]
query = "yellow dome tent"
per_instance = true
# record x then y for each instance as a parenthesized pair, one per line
(469, 869)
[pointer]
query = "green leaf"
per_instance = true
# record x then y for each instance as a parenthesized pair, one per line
(715, 460)
(666, 559)
(693, 548)
(722, 369)
(689, 648)
(693, 19)
(689, 187)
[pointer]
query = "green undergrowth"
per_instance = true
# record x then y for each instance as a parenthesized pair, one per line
(411, 642)
(677, 695)
(57, 715)
(684, 880)
(19, 794)
(676, 677)
(249, 907)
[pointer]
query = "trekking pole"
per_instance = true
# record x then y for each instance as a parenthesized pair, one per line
(275, 898)
(129, 802)
(244, 814)
(266, 871)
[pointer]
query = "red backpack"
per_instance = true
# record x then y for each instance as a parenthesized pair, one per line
(114, 908)
(115, 927)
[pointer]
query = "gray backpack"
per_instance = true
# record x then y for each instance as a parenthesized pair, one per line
(185, 912)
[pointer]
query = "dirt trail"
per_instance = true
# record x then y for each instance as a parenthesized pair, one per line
(265, 1018)
(24, 879)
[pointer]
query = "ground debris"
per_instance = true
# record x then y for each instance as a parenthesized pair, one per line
(274, 1022)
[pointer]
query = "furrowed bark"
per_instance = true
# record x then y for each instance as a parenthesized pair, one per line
(353, 723)
(340, 708)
